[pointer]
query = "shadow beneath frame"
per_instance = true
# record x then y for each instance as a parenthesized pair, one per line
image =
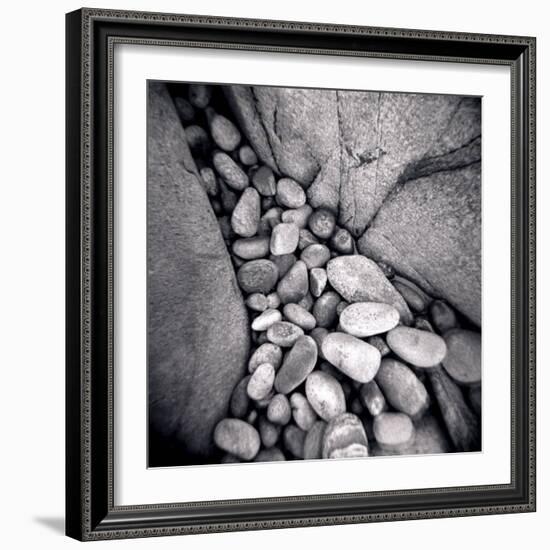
(56, 524)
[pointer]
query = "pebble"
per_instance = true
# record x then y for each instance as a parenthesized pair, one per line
(266, 353)
(263, 180)
(198, 140)
(269, 432)
(299, 316)
(356, 407)
(237, 437)
(319, 334)
(342, 241)
(368, 318)
(297, 365)
(266, 319)
(307, 238)
(269, 220)
(322, 223)
(257, 302)
(393, 430)
(185, 110)
(307, 301)
(295, 284)
(270, 455)
(251, 248)
(261, 382)
(417, 347)
(355, 358)
(273, 300)
(290, 193)
(317, 281)
(259, 338)
(341, 306)
(284, 334)
(268, 202)
(358, 279)
(298, 216)
(199, 95)
(283, 262)
(227, 197)
(313, 443)
(224, 133)
(284, 239)
(422, 323)
(209, 180)
(304, 416)
(257, 276)
(264, 403)
(238, 405)
(325, 395)
(372, 398)
(380, 344)
(293, 439)
(443, 316)
(230, 171)
(345, 437)
(402, 388)
(278, 410)
(324, 309)
(315, 255)
(246, 216)
(415, 300)
(247, 156)
(463, 359)
(252, 416)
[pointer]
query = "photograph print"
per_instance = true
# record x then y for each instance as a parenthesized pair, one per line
(313, 274)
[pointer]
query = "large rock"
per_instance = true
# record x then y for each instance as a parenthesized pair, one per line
(350, 148)
(429, 230)
(198, 338)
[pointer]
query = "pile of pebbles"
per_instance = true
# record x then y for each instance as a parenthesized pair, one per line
(349, 359)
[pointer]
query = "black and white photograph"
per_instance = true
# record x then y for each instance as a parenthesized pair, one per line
(314, 274)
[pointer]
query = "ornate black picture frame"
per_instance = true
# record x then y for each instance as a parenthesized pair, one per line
(90, 510)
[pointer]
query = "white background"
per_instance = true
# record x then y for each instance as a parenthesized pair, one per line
(32, 275)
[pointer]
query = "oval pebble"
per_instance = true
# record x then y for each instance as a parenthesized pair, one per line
(270, 455)
(224, 133)
(304, 416)
(325, 395)
(342, 241)
(257, 302)
(393, 430)
(313, 443)
(317, 281)
(415, 300)
(251, 248)
(266, 353)
(345, 437)
(209, 180)
(247, 155)
(297, 365)
(322, 223)
(199, 95)
(297, 216)
(227, 197)
(273, 300)
(355, 358)
(307, 238)
(324, 309)
(293, 439)
(295, 284)
(284, 334)
(284, 239)
(373, 399)
(278, 410)
(266, 319)
(237, 437)
(263, 180)
(463, 359)
(417, 347)
(443, 316)
(246, 216)
(380, 344)
(315, 255)
(299, 316)
(238, 405)
(257, 276)
(269, 432)
(319, 334)
(368, 318)
(230, 171)
(283, 262)
(261, 382)
(269, 220)
(306, 302)
(290, 193)
(402, 388)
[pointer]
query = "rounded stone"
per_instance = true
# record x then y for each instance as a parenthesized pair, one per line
(270, 455)
(237, 437)
(355, 358)
(297, 216)
(380, 344)
(417, 347)
(324, 309)
(322, 223)
(261, 382)
(278, 410)
(230, 171)
(342, 241)
(266, 353)
(415, 300)
(306, 302)
(290, 193)
(393, 430)
(246, 216)
(185, 110)
(297, 365)
(238, 405)
(284, 239)
(345, 437)
(304, 416)
(263, 180)
(269, 220)
(257, 302)
(224, 133)
(317, 281)
(251, 248)
(209, 181)
(372, 398)
(295, 284)
(443, 316)
(402, 388)
(199, 95)
(283, 262)
(325, 395)
(307, 238)
(266, 319)
(315, 255)
(197, 139)
(463, 359)
(299, 316)
(247, 155)
(319, 334)
(257, 276)
(273, 300)
(284, 334)
(293, 439)
(269, 432)
(313, 443)
(364, 319)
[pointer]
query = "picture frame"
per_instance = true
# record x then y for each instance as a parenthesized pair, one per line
(91, 512)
